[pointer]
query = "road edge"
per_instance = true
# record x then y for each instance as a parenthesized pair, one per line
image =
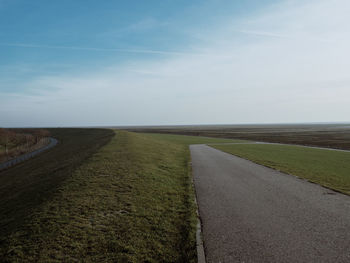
(199, 237)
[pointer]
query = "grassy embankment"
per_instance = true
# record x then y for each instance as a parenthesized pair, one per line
(132, 201)
(325, 167)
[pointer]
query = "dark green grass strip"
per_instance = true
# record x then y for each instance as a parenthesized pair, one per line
(29, 184)
(325, 167)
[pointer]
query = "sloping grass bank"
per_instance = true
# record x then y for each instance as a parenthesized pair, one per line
(325, 167)
(28, 185)
(132, 201)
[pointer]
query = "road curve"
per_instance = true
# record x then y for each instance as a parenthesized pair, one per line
(251, 213)
(26, 156)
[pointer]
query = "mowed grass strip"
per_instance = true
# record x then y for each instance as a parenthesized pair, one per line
(325, 167)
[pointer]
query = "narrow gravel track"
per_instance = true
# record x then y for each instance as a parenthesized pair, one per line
(251, 213)
(24, 157)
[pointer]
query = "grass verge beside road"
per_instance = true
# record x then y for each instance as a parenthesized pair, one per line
(325, 167)
(131, 201)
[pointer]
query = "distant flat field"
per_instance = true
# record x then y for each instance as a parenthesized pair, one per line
(325, 167)
(321, 135)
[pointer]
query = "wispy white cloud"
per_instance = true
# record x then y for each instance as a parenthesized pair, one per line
(261, 33)
(146, 51)
(277, 35)
(286, 75)
(198, 53)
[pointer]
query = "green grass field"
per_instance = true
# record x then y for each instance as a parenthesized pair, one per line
(130, 201)
(325, 167)
(188, 140)
(101, 196)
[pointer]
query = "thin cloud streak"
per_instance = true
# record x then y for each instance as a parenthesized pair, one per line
(276, 35)
(261, 33)
(145, 51)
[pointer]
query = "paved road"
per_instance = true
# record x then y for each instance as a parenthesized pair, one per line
(251, 213)
(27, 156)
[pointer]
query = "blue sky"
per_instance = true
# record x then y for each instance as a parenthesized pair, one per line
(72, 63)
(57, 37)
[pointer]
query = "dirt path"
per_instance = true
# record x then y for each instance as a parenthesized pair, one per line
(24, 157)
(251, 213)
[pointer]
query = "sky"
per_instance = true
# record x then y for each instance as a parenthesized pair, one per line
(173, 62)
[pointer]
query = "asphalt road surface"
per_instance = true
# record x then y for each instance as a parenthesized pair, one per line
(251, 213)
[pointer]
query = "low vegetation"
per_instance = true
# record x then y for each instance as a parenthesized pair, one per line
(325, 167)
(130, 201)
(14, 142)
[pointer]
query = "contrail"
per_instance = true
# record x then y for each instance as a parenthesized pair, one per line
(98, 49)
